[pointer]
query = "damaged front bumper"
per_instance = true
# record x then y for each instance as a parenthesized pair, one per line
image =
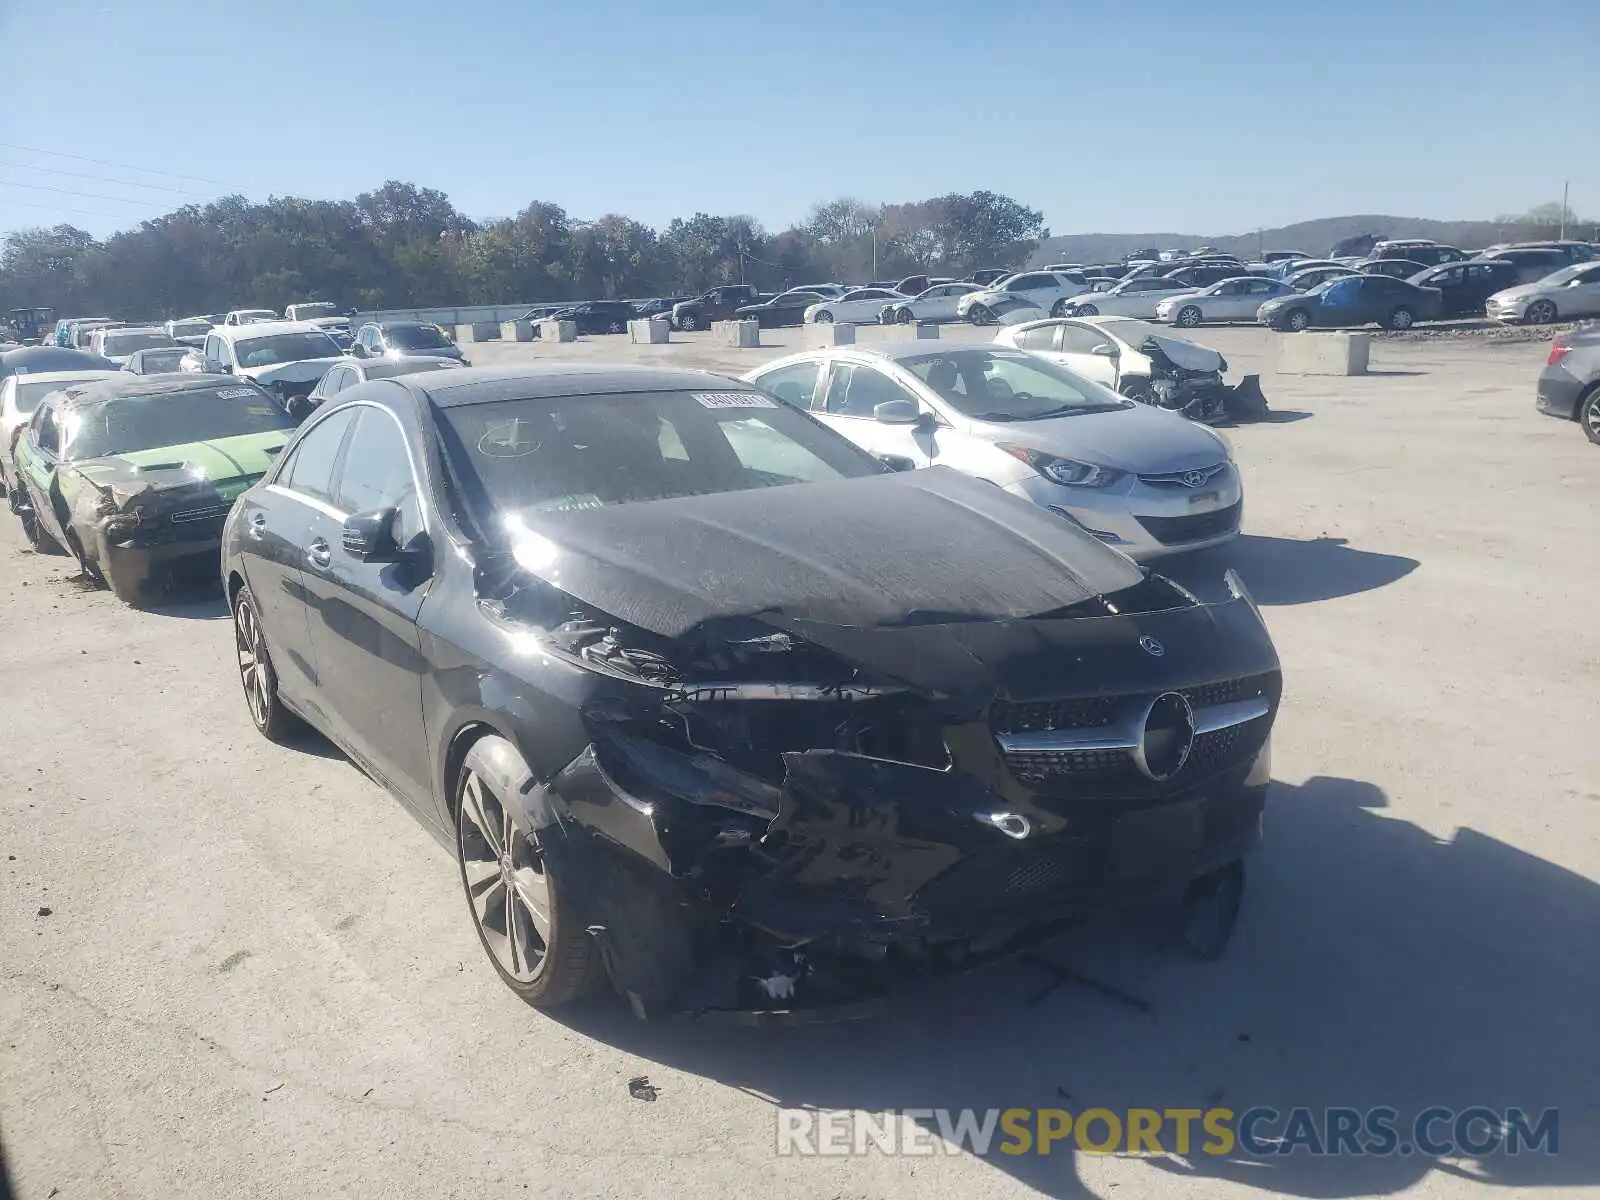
(842, 876)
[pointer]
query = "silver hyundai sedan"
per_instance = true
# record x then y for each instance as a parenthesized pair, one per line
(1142, 479)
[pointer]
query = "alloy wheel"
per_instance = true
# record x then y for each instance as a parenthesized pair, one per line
(1298, 321)
(1541, 312)
(1590, 416)
(1189, 316)
(507, 887)
(253, 668)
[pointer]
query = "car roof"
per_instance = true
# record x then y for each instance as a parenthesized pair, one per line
(404, 324)
(124, 383)
(486, 385)
(264, 329)
(88, 373)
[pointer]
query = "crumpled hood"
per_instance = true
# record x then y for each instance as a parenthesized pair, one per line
(892, 549)
(1186, 354)
(1139, 438)
(307, 370)
(223, 467)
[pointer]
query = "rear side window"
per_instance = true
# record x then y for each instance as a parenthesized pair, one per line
(310, 467)
(796, 383)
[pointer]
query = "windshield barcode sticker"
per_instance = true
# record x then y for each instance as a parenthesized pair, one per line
(734, 400)
(235, 393)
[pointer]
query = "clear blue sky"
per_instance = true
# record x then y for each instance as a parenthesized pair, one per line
(1161, 116)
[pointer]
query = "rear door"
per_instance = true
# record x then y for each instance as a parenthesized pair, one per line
(276, 525)
(850, 395)
(36, 463)
(1581, 296)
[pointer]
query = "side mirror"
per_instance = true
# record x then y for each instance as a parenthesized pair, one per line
(357, 350)
(895, 412)
(1106, 350)
(898, 462)
(215, 366)
(369, 536)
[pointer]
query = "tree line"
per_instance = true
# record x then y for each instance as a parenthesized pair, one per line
(402, 246)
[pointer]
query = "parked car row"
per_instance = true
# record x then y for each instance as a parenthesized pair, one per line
(635, 682)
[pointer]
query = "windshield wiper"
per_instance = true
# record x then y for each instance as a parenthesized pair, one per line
(995, 416)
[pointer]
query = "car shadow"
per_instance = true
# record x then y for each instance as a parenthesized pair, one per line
(1282, 571)
(1374, 965)
(192, 602)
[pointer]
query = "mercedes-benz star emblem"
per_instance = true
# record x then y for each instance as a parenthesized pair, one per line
(1165, 738)
(1193, 478)
(1151, 647)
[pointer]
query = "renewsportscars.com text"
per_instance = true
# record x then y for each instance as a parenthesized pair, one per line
(1261, 1132)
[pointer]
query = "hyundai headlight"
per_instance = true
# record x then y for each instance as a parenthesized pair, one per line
(1069, 471)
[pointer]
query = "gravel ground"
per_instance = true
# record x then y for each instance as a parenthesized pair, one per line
(231, 968)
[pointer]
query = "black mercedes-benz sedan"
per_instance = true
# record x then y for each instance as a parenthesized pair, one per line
(716, 708)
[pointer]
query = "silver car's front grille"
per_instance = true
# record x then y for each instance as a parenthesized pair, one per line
(1198, 477)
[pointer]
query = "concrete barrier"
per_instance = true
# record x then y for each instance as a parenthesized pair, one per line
(653, 331)
(1324, 353)
(743, 334)
(831, 333)
(516, 331)
(478, 331)
(558, 331)
(913, 331)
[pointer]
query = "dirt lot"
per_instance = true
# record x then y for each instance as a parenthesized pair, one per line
(229, 968)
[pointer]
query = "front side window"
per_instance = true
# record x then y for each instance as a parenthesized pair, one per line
(562, 453)
(377, 472)
(309, 468)
(856, 391)
(1041, 337)
(999, 385)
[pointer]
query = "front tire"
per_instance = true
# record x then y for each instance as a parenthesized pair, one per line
(1401, 319)
(38, 536)
(979, 314)
(268, 713)
(1188, 317)
(1088, 310)
(904, 316)
(1298, 321)
(1589, 414)
(823, 318)
(1540, 312)
(615, 327)
(1058, 309)
(522, 901)
(1138, 390)
(86, 564)
(688, 323)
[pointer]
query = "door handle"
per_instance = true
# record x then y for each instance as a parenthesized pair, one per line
(319, 553)
(258, 525)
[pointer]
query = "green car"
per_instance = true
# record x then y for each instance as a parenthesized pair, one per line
(135, 475)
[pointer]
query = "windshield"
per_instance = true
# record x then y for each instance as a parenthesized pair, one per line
(319, 308)
(419, 337)
(1565, 275)
(127, 424)
(29, 394)
(1007, 385)
(127, 343)
(561, 453)
(285, 348)
(164, 359)
(190, 328)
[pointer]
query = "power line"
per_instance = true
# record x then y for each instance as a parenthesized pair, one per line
(100, 162)
(45, 187)
(153, 187)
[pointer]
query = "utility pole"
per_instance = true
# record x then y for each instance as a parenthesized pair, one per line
(1565, 186)
(874, 252)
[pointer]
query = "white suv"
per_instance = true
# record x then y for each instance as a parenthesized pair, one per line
(286, 356)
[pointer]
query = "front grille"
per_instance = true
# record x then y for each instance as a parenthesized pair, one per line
(1182, 479)
(1173, 531)
(1089, 712)
(1110, 773)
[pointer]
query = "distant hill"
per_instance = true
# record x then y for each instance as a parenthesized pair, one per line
(1313, 237)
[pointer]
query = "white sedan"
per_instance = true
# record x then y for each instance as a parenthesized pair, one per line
(860, 306)
(1231, 300)
(1130, 298)
(937, 303)
(1560, 296)
(1129, 356)
(1050, 290)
